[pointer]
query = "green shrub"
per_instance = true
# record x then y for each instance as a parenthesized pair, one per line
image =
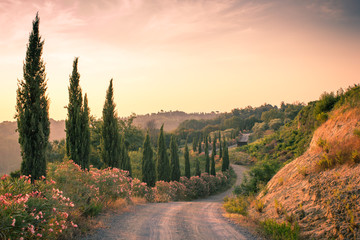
(238, 204)
(283, 231)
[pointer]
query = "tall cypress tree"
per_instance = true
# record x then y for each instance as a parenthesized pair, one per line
(32, 108)
(207, 159)
(85, 135)
(187, 160)
(194, 145)
(74, 119)
(220, 146)
(213, 154)
(197, 168)
(174, 157)
(124, 159)
(110, 131)
(226, 160)
(163, 167)
(148, 166)
(199, 148)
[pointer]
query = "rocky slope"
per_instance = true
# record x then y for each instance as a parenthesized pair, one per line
(324, 201)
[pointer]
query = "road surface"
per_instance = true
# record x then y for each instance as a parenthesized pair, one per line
(200, 219)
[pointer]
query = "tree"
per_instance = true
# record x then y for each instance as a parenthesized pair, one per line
(220, 146)
(77, 122)
(85, 138)
(148, 166)
(199, 148)
(174, 156)
(197, 168)
(226, 160)
(110, 132)
(124, 161)
(194, 144)
(187, 160)
(32, 108)
(213, 154)
(163, 167)
(207, 159)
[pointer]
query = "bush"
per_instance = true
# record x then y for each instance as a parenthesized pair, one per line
(283, 231)
(238, 204)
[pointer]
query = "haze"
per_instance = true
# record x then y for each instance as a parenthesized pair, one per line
(194, 56)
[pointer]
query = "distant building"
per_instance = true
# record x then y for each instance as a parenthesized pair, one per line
(243, 139)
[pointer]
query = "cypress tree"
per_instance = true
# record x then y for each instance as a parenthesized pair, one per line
(85, 138)
(74, 122)
(213, 154)
(187, 161)
(163, 167)
(126, 158)
(207, 159)
(194, 145)
(220, 146)
(197, 168)
(174, 157)
(148, 166)
(32, 108)
(110, 131)
(226, 160)
(199, 148)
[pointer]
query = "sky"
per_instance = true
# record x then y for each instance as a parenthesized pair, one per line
(187, 55)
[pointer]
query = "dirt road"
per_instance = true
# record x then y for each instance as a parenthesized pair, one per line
(200, 219)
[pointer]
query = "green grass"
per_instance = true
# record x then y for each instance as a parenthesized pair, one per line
(280, 231)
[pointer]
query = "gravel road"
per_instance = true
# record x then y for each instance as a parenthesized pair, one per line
(200, 219)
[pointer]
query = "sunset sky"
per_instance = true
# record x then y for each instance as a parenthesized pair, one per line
(188, 55)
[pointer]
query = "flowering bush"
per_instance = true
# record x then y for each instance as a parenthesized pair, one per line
(33, 211)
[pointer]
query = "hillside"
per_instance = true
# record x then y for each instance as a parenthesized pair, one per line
(10, 157)
(171, 120)
(321, 188)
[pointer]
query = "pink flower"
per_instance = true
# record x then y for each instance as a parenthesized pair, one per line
(13, 222)
(39, 235)
(51, 230)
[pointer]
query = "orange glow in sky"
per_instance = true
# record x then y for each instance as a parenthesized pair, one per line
(194, 56)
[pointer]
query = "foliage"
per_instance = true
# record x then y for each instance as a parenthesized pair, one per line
(32, 108)
(197, 170)
(148, 165)
(187, 161)
(213, 153)
(125, 163)
(174, 158)
(283, 231)
(237, 204)
(110, 131)
(226, 160)
(207, 159)
(163, 167)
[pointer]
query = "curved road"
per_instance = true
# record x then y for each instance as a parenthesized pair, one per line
(200, 219)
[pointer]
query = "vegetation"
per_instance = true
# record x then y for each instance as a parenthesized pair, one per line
(239, 204)
(174, 157)
(213, 154)
(148, 165)
(163, 167)
(32, 108)
(77, 123)
(283, 231)
(111, 148)
(207, 159)
(187, 161)
(226, 160)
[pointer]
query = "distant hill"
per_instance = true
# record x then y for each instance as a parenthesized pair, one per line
(171, 120)
(10, 157)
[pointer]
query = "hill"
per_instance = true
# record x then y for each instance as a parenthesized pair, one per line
(171, 120)
(10, 157)
(320, 189)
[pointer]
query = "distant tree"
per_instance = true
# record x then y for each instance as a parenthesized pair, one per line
(187, 161)
(194, 144)
(226, 160)
(197, 168)
(213, 154)
(32, 108)
(85, 138)
(199, 148)
(124, 160)
(207, 159)
(110, 132)
(148, 165)
(220, 147)
(163, 167)
(174, 156)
